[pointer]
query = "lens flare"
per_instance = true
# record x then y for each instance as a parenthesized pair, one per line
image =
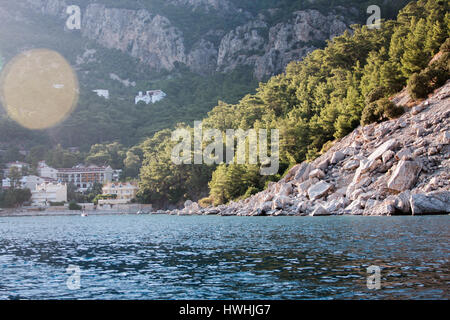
(39, 89)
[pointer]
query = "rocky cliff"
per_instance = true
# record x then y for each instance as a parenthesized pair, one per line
(262, 42)
(398, 167)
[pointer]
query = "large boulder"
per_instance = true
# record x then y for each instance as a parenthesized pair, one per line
(187, 204)
(281, 202)
(304, 186)
(388, 155)
(401, 203)
(355, 208)
(430, 203)
(302, 172)
(323, 165)
(320, 211)
(317, 173)
(404, 176)
(337, 157)
(285, 190)
(380, 208)
(319, 190)
(388, 145)
(351, 165)
(404, 154)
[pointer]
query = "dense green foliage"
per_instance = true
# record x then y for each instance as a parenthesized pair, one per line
(317, 100)
(420, 84)
(74, 206)
(12, 198)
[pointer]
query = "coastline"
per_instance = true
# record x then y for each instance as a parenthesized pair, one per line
(69, 213)
(22, 213)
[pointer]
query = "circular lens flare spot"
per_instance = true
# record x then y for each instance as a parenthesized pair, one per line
(39, 89)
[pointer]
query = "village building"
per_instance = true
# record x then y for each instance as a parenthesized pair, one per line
(46, 171)
(121, 193)
(85, 177)
(102, 93)
(26, 182)
(151, 96)
(48, 192)
(21, 166)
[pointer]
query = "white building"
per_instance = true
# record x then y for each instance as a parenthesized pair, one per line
(85, 177)
(46, 192)
(102, 93)
(124, 192)
(151, 96)
(21, 166)
(27, 182)
(46, 172)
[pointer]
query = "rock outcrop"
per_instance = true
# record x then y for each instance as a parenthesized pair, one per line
(159, 42)
(379, 169)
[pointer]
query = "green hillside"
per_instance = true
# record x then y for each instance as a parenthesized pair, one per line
(316, 101)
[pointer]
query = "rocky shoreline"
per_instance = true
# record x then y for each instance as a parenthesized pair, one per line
(398, 167)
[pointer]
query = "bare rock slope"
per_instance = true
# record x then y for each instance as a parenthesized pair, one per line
(400, 166)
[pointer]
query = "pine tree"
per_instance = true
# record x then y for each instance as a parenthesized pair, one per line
(414, 59)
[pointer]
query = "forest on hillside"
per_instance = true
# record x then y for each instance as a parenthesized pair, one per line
(318, 100)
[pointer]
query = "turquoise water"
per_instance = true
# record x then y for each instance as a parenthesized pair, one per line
(208, 257)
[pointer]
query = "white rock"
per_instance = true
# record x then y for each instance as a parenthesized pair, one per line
(430, 203)
(351, 165)
(281, 202)
(320, 211)
(318, 190)
(303, 171)
(404, 154)
(337, 157)
(285, 190)
(304, 186)
(317, 173)
(388, 145)
(324, 164)
(404, 176)
(445, 138)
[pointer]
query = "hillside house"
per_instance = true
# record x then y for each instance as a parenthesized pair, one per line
(151, 96)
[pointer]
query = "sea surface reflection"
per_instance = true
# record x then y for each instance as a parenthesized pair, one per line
(170, 257)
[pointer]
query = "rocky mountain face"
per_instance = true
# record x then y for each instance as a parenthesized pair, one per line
(154, 39)
(270, 49)
(398, 167)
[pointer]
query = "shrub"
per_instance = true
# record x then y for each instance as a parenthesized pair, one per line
(418, 86)
(389, 109)
(376, 94)
(206, 202)
(436, 77)
(56, 204)
(74, 206)
(370, 114)
(250, 191)
(445, 47)
(380, 110)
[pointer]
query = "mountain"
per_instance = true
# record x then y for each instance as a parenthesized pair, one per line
(197, 51)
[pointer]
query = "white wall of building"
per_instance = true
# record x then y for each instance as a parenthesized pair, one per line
(49, 192)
